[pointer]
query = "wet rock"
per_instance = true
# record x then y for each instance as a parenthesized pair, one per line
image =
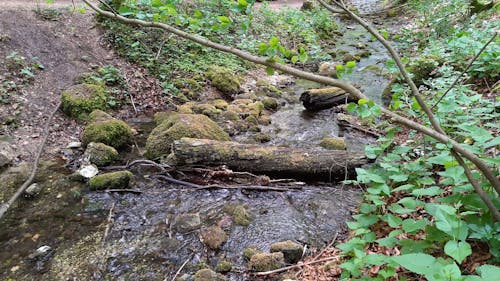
(250, 251)
(208, 275)
(265, 262)
(214, 237)
(307, 5)
(270, 103)
(186, 222)
(292, 252)
(87, 172)
(103, 128)
(224, 80)
(114, 180)
(185, 277)
(80, 100)
(178, 126)
(74, 145)
(421, 68)
(328, 69)
(40, 257)
(262, 137)
(223, 266)
(100, 154)
(333, 143)
(7, 154)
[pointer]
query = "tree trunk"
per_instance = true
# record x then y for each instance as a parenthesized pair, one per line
(319, 99)
(272, 160)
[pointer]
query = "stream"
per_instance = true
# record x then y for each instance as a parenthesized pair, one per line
(129, 236)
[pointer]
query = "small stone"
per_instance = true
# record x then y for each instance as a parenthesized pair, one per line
(292, 252)
(266, 262)
(186, 222)
(88, 171)
(214, 237)
(40, 252)
(74, 145)
(114, 180)
(7, 154)
(208, 275)
(241, 216)
(33, 190)
(270, 103)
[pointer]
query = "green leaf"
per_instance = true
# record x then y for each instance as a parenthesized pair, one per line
(274, 41)
(457, 250)
(394, 221)
(156, 3)
(387, 242)
(350, 64)
(366, 220)
(450, 272)
(488, 272)
(242, 3)
(431, 191)
(269, 70)
(376, 259)
(224, 19)
(49, 1)
(198, 14)
(410, 225)
(418, 263)
(295, 59)
(455, 174)
(363, 101)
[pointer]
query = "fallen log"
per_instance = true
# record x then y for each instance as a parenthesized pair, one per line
(272, 160)
(319, 99)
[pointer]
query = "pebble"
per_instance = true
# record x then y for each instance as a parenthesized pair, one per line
(33, 190)
(88, 171)
(74, 144)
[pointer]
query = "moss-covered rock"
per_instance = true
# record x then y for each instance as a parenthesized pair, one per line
(250, 251)
(266, 262)
(262, 137)
(178, 126)
(186, 222)
(161, 116)
(224, 80)
(292, 252)
(220, 104)
(208, 275)
(422, 68)
(333, 143)
(114, 180)
(80, 100)
(214, 237)
(101, 154)
(106, 129)
(224, 266)
(270, 103)
(241, 216)
(206, 109)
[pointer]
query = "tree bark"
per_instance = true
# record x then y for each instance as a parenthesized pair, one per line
(319, 99)
(271, 160)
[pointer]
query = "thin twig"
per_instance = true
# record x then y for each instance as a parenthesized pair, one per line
(286, 268)
(466, 69)
(137, 191)
(133, 103)
(180, 268)
(329, 245)
(22, 188)
(163, 168)
(214, 186)
(109, 224)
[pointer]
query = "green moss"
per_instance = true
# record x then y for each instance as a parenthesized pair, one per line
(224, 266)
(161, 116)
(179, 126)
(270, 103)
(208, 275)
(266, 262)
(110, 131)
(250, 251)
(224, 80)
(251, 119)
(220, 104)
(262, 137)
(241, 216)
(206, 109)
(114, 180)
(214, 237)
(80, 100)
(186, 108)
(422, 67)
(101, 154)
(333, 143)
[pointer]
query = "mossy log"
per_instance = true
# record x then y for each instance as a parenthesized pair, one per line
(319, 99)
(271, 160)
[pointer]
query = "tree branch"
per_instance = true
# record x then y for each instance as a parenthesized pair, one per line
(26, 184)
(483, 167)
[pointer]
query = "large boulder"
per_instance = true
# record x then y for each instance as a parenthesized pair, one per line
(177, 126)
(114, 180)
(103, 128)
(80, 100)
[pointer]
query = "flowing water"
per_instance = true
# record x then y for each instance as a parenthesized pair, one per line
(141, 242)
